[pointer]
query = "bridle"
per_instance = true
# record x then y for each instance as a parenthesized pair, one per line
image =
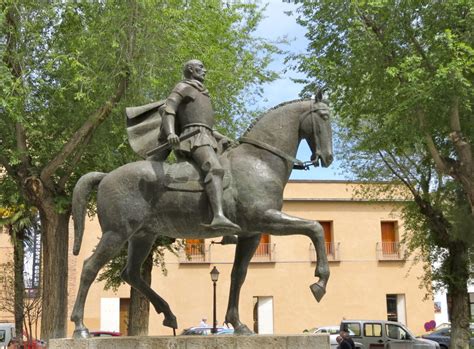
(297, 164)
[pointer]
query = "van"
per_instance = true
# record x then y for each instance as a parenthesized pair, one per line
(381, 334)
(7, 332)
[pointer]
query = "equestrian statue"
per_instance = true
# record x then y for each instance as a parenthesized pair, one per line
(207, 193)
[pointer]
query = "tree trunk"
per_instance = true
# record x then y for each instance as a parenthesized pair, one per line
(457, 289)
(54, 228)
(139, 310)
(18, 256)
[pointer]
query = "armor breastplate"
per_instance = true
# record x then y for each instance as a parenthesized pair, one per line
(196, 109)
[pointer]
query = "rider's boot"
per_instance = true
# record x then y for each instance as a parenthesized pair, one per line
(214, 191)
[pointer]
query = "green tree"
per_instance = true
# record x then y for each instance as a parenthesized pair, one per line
(400, 75)
(68, 70)
(16, 222)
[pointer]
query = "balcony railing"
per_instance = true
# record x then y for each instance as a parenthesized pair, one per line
(332, 252)
(389, 251)
(265, 253)
(195, 253)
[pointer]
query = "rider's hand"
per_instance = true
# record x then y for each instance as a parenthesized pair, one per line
(227, 142)
(173, 140)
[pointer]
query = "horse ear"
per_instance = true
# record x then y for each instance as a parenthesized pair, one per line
(319, 95)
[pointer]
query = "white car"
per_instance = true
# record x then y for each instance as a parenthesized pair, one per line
(333, 332)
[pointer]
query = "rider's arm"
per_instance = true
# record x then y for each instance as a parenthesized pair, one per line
(171, 107)
(226, 141)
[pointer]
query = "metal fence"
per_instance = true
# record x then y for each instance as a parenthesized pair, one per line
(391, 251)
(195, 253)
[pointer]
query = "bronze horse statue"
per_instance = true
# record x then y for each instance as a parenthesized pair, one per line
(137, 202)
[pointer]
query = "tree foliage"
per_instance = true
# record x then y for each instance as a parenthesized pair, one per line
(400, 76)
(67, 71)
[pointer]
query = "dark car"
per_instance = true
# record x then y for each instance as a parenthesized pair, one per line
(443, 337)
(204, 331)
(105, 334)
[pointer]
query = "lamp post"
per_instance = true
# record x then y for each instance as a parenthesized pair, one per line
(214, 278)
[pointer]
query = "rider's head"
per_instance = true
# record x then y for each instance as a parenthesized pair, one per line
(194, 69)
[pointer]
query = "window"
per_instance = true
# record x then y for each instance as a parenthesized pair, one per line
(392, 314)
(263, 248)
(124, 307)
(396, 308)
(396, 332)
(327, 227)
(263, 315)
(389, 248)
(195, 250)
(2, 335)
(264, 252)
(373, 330)
(353, 328)
(389, 240)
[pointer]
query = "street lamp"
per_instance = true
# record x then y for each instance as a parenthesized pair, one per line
(214, 278)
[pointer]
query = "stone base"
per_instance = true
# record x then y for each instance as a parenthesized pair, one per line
(303, 341)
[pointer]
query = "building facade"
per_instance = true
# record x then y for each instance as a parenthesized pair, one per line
(371, 278)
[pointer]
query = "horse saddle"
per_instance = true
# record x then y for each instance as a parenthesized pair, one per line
(185, 176)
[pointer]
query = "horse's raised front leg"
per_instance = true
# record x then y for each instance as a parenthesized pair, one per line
(109, 245)
(139, 247)
(279, 223)
(244, 251)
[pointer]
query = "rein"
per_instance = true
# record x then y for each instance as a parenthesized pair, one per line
(297, 164)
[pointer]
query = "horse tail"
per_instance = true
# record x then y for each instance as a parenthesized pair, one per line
(80, 196)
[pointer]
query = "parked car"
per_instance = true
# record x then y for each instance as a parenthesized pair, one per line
(442, 335)
(204, 331)
(105, 334)
(381, 334)
(7, 332)
(333, 332)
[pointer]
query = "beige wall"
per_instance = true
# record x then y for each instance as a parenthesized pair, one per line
(357, 287)
(6, 256)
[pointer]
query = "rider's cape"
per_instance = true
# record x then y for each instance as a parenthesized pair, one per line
(143, 126)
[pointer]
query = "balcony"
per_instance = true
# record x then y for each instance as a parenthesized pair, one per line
(265, 253)
(389, 251)
(195, 253)
(332, 252)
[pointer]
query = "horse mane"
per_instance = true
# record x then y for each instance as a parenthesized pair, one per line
(258, 118)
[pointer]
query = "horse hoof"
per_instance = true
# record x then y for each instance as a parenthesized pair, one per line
(243, 330)
(170, 322)
(82, 333)
(318, 291)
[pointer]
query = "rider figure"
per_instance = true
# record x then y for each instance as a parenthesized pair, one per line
(188, 108)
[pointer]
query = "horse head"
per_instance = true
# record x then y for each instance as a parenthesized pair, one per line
(315, 128)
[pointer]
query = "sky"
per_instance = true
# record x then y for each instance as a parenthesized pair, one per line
(276, 25)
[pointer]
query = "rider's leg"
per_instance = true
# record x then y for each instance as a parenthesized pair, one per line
(206, 158)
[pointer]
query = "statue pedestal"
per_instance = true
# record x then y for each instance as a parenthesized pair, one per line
(197, 342)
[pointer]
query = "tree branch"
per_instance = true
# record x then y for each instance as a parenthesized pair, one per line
(462, 146)
(440, 163)
(396, 174)
(83, 134)
(417, 46)
(73, 162)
